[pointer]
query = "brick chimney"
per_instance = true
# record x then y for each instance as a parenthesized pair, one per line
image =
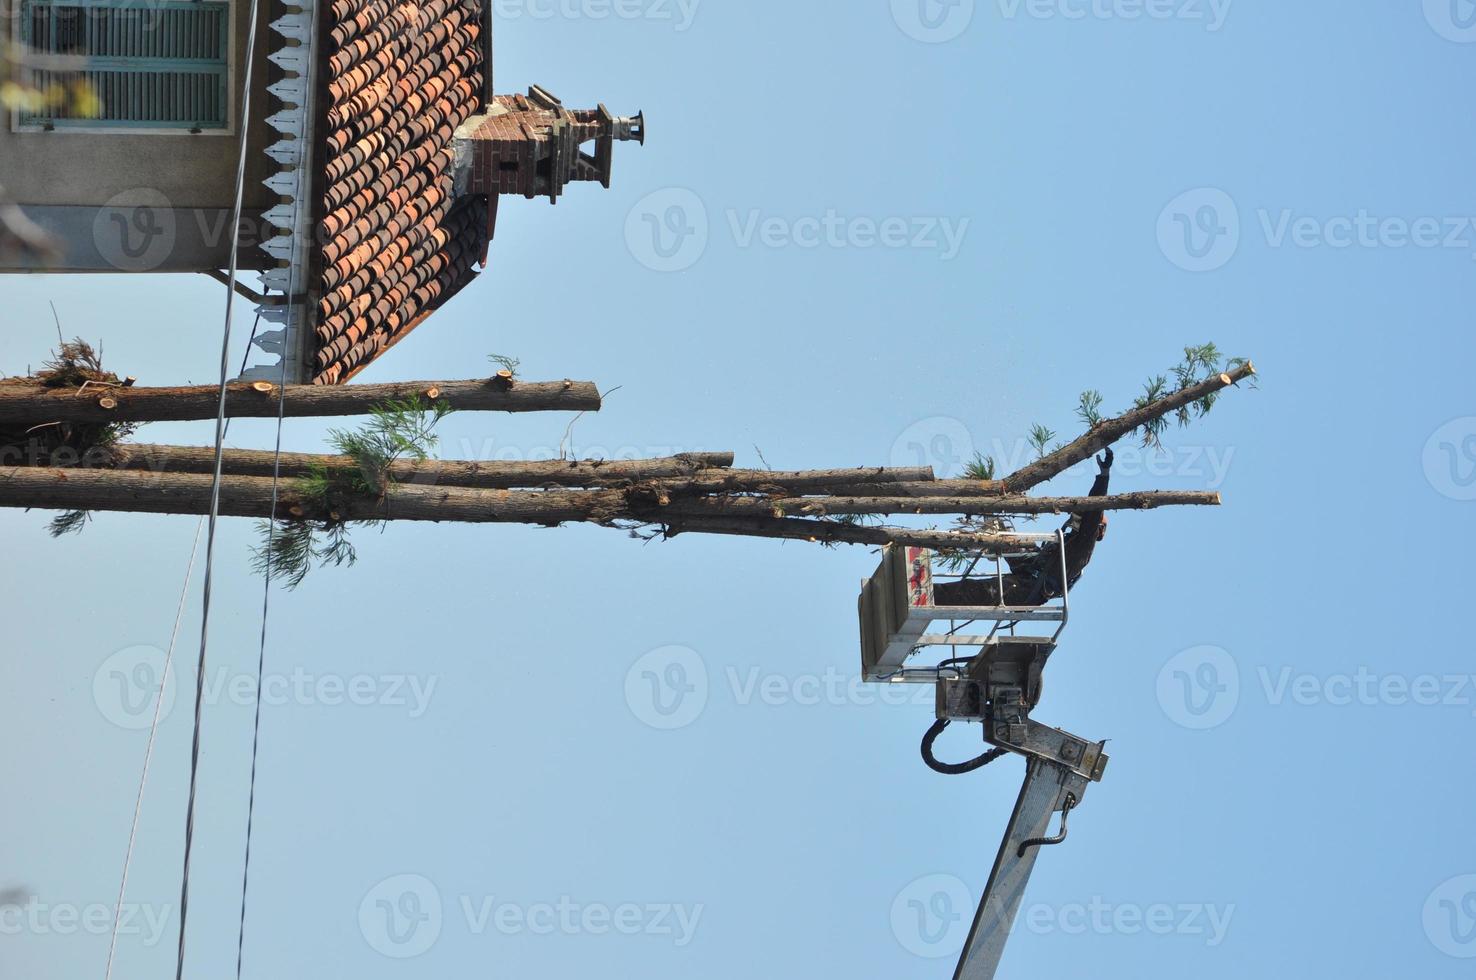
(533, 146)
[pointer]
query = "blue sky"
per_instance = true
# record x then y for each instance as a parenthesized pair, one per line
(858, 231)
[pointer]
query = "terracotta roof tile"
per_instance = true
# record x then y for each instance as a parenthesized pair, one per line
(394, 242)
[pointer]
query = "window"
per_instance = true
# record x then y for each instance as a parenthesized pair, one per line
(147, 64)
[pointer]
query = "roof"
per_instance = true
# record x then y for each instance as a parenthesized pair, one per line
(394, 241)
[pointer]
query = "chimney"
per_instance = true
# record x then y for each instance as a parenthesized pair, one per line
(532, 145)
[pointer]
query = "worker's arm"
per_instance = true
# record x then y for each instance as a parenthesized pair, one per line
(1037, 579)
(1104, 474)
(1088, 528)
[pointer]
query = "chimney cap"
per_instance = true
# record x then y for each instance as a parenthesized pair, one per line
(631, 127)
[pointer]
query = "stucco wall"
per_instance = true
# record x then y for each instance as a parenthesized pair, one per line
(73, 167)
(191, 174)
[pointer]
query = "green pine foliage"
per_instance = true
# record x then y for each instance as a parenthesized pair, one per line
(1040, 439)
(68, 522)
(508, 364)
(981, 467)
(395, 431)
(1200, 363)
(1089, 408)
(292, 548)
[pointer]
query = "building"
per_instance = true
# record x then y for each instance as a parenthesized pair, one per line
(377, 155)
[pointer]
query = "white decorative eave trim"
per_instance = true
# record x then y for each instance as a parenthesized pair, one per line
(293, 215)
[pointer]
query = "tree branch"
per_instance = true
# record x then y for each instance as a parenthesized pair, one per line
(1111, 430)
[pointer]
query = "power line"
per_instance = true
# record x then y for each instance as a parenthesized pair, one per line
(254, 17)
(266, 591)
(158, 712)
(260, 672)
(149, 751)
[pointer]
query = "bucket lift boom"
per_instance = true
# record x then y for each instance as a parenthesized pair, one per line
(1058, 768)
(997, 686)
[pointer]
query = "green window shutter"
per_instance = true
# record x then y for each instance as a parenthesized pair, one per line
(146, 65)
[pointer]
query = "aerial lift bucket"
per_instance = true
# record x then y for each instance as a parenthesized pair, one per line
(997, 684)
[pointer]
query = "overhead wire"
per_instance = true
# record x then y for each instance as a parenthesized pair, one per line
(266, 595)
(244, 123)
(158, 716)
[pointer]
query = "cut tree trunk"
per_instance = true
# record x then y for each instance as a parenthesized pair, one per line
(494, 474)
(29, 403)
(690, 473)
(825, 532)
(800, 481)
(844, 506)
(135, 491)
(923, 488)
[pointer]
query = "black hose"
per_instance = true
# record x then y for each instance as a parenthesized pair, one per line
(1066, 808)
(954, 768)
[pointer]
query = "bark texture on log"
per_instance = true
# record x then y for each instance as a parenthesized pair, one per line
(692, 473)
(251, 496)
(134, 491)
(922, 488)
(424, 500)
(494, 474)
(1111, 430)
(798, 481)
(34, 404)
(840, 506)
(822, 532)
